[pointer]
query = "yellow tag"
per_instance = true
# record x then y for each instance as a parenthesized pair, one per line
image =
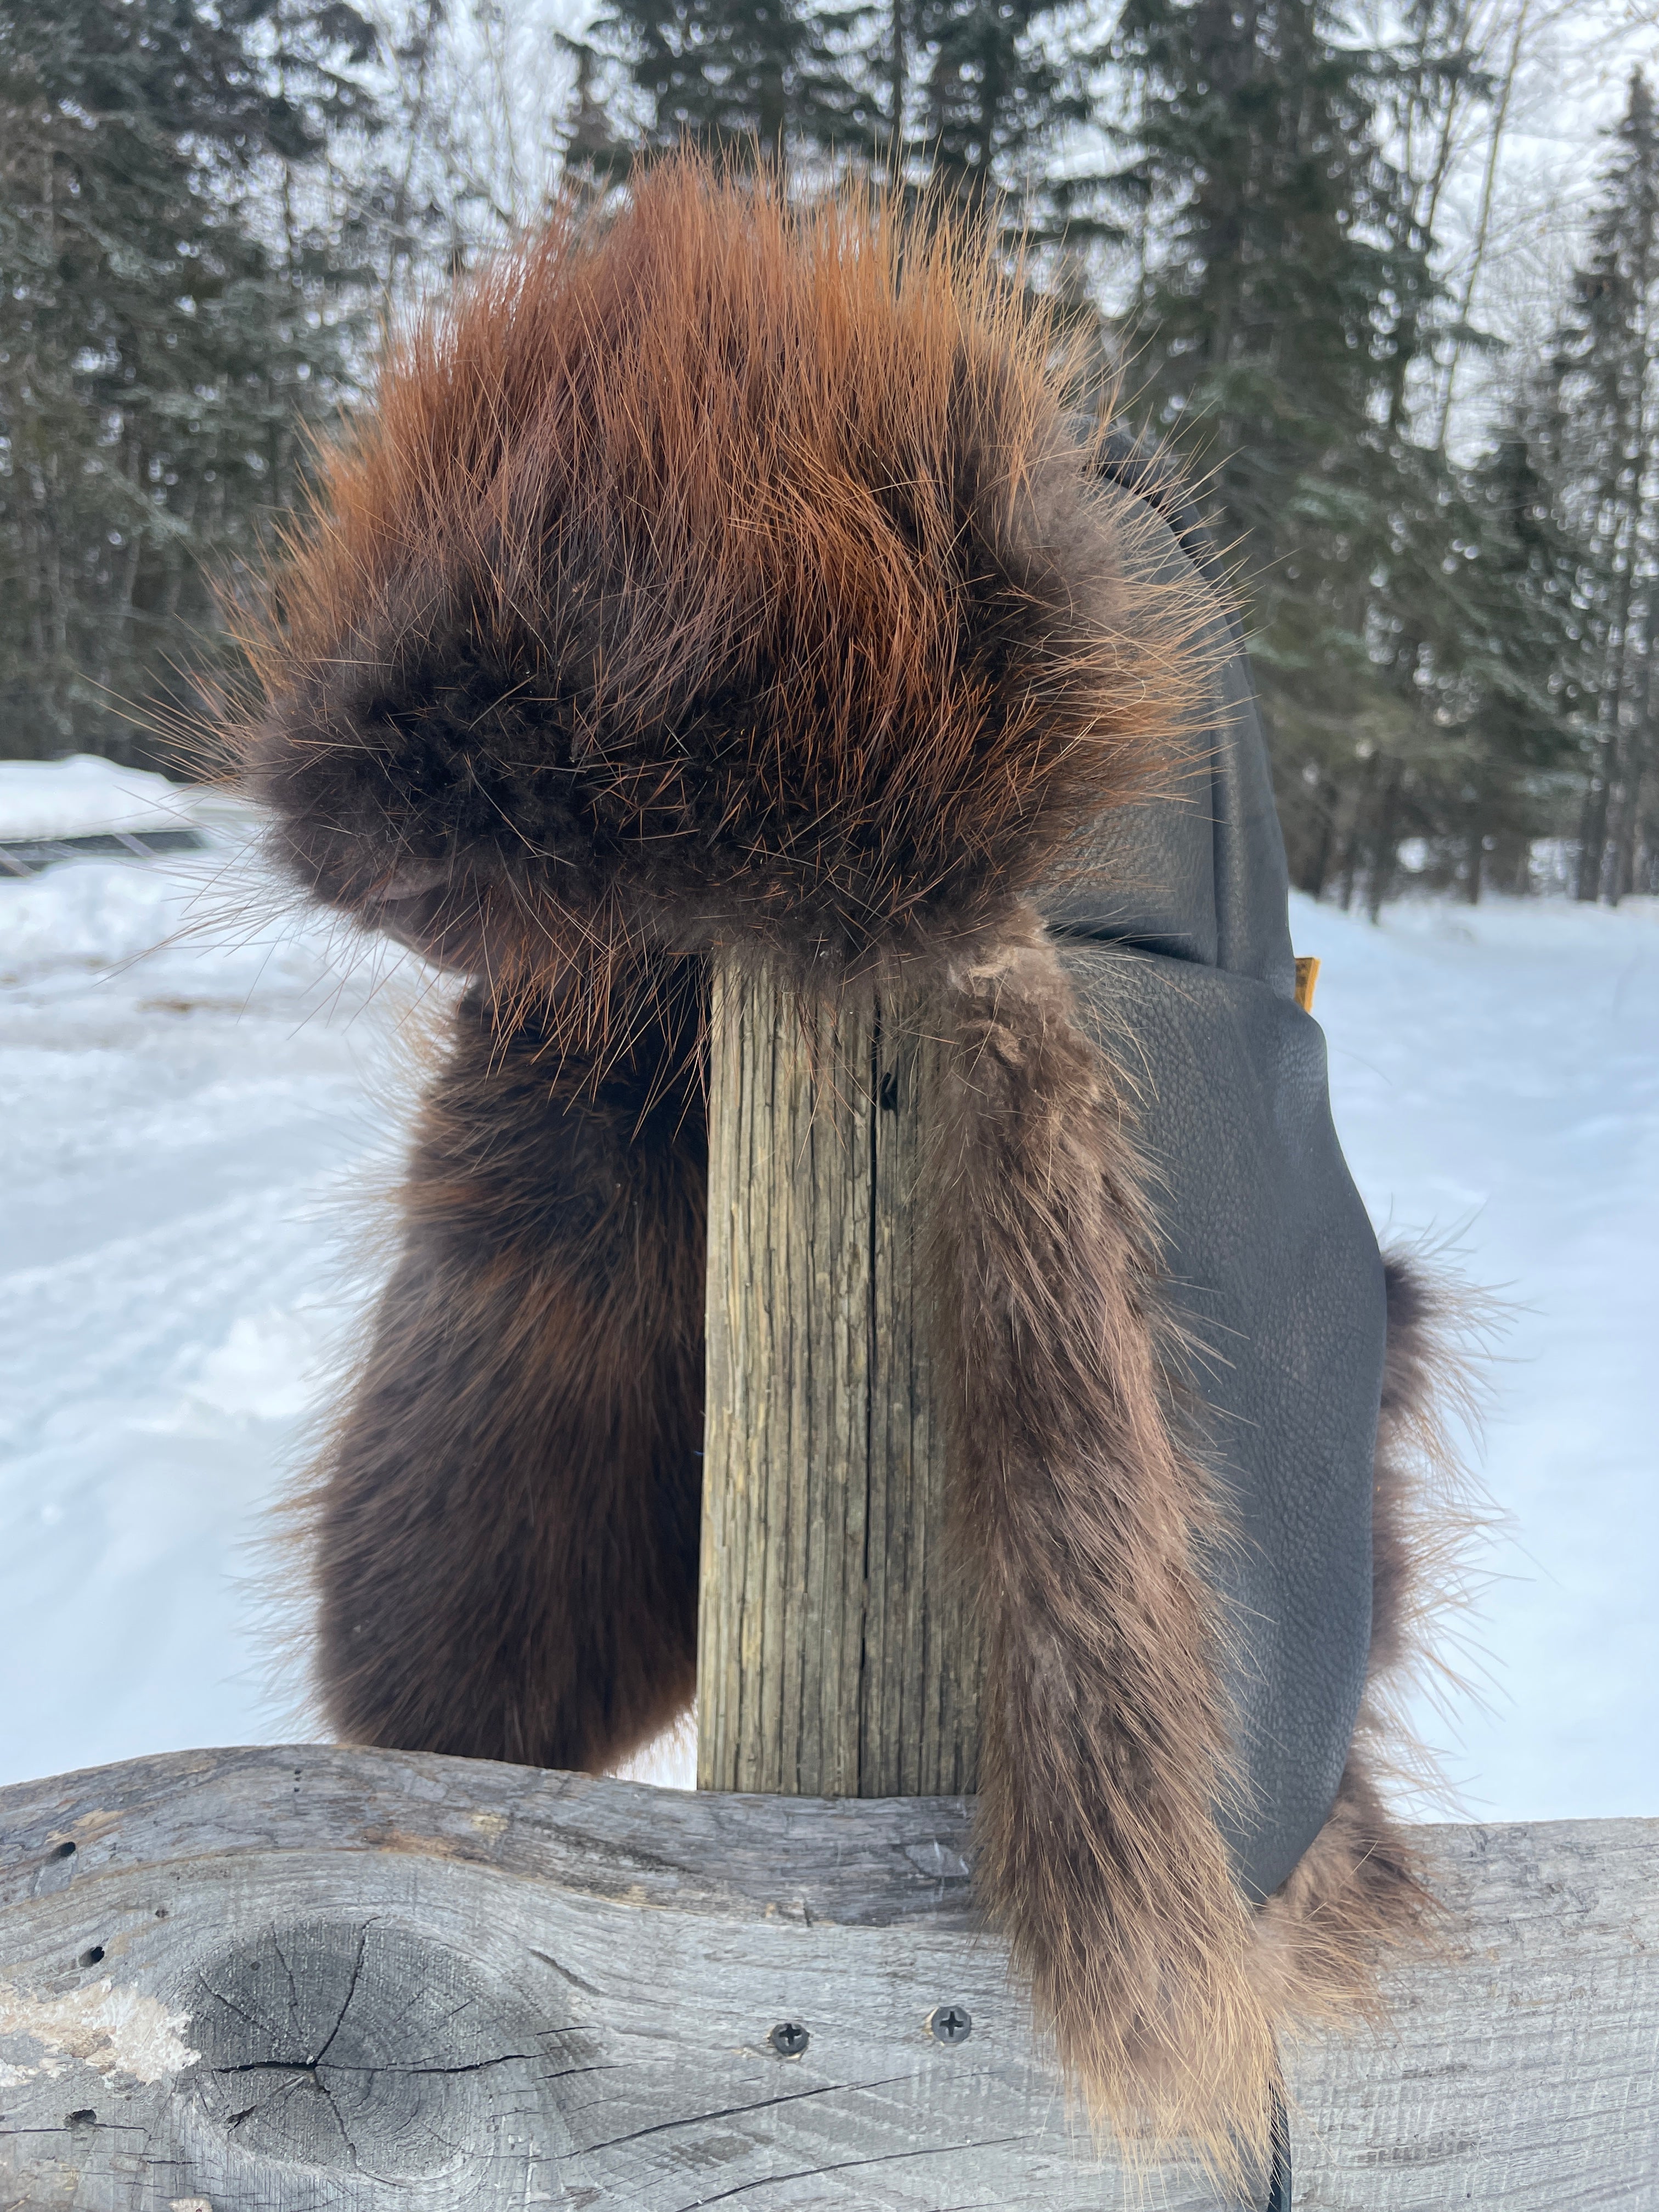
(1306, 974)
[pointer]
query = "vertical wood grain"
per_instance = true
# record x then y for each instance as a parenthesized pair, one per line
(838, 1656)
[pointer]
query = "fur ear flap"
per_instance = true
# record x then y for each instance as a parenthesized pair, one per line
(504, 1529)
(1106, 1744)
(1088, 1522)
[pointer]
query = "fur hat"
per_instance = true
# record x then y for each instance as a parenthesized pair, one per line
(725, 577)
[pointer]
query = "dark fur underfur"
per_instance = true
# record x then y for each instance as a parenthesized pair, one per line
(707, 585)
(508, 1563)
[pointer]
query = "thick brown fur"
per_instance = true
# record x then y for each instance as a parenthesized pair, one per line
(721, 575)
(508, 1512)
(727, 577)
(1105, 1746)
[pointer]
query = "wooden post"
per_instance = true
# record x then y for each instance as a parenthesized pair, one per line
(837, 1655)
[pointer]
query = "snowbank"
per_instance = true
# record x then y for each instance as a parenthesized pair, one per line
(86, 796)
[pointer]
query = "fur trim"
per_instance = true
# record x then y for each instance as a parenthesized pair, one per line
(1085, 1514)
(1105, 1747)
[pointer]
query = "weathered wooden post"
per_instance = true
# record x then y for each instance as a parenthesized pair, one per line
(838, 1657)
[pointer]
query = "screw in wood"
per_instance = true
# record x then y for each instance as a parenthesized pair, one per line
(789, 2038)
(949, 2023)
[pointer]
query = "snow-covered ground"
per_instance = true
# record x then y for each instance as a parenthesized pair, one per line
(87, 796)
(1495, 1079)
(193, 1093)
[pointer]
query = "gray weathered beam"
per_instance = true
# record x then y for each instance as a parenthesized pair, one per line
(271, 1980)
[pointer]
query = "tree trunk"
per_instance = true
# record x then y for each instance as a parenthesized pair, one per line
(1384, 844)
(838, 1656)
(1476, 867)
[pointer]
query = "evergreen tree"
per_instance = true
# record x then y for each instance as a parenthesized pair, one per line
(1606, 379)
(998, 84)
(1268, 345)
(1528, 680)
(740, 79)
(155, 353)
(1415, 625)
(1482, 582)
(964, 99)
(594, 153)
(1261, 316)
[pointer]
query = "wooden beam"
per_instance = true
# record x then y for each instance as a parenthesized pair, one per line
(837, 1655)
(347, 1981)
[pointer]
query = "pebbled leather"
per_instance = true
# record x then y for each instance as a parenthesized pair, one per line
(1176, 935)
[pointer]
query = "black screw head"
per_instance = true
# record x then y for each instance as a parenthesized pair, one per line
(789, 2038)
(949, 2023)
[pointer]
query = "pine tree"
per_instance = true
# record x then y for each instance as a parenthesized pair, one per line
(1527, 680)
(1416, 625)
(998, 83)
(1261, 313)
(964, 99)
(595, 155)
(1606, 378)
(741, 79)
(1480, 584)
(153, 354)
(1267, 345)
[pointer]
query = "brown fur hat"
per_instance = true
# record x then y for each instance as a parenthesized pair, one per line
(725, 576)
(719, 574)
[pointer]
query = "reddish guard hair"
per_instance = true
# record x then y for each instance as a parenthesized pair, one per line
(716, 572)
(719, 575)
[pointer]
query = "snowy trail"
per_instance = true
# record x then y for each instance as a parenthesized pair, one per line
(188, 1126)
(183, 1123)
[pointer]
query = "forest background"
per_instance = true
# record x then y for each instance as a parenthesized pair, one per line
(1385, 275)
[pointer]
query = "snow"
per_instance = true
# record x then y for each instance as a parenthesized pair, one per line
(190, 1087)
(201, 1093)
(87, 796)
(1495, 1081)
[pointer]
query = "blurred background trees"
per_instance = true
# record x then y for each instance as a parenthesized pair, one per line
(1420, 406)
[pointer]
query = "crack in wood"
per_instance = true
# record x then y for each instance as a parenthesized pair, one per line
(846, 2165)
(737, 2111)
(314, 2066)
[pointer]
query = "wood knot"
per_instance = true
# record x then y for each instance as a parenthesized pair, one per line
(357, 2043)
